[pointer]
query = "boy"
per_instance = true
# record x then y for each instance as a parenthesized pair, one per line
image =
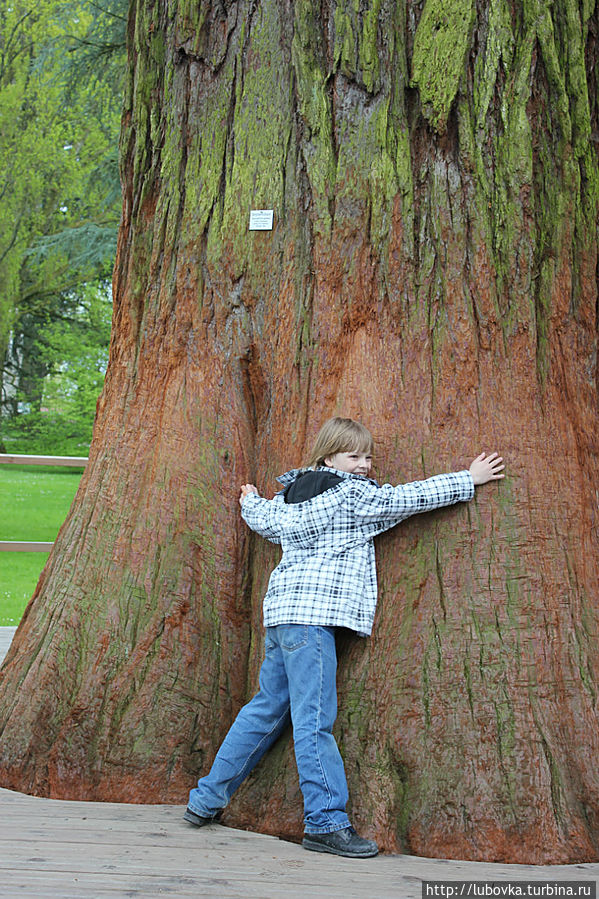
(325, 519)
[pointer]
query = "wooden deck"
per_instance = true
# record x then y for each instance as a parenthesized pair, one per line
(6, 635)
(53, 849)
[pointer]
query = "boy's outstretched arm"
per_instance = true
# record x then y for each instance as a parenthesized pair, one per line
(383, 507)
(486, 468)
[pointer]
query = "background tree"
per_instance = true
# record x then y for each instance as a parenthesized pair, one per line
(60, 97)
(54, 371)
(432, 271)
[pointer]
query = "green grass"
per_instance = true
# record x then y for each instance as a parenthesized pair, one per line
(34, 503)
(19, 574)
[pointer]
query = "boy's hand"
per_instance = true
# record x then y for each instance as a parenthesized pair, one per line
(246, 489)
(486, 468)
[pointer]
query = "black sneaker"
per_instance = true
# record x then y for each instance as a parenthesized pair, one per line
(341, 842)
(192, 818)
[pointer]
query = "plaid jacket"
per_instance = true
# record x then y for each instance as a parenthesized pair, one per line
(327, 573)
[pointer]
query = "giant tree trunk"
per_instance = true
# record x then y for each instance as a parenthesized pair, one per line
(432, 272)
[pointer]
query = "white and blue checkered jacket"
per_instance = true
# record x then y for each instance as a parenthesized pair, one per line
(327, 573)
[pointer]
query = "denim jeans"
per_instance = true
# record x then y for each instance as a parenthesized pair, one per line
(297, 681)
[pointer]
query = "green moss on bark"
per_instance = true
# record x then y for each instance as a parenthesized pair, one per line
(259, 123)
(441, 43)
(314, 103)
(357, 42)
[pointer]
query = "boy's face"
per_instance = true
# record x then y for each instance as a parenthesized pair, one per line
(353, 463)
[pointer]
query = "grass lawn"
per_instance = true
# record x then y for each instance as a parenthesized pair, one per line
(19, 573)
(34, 502)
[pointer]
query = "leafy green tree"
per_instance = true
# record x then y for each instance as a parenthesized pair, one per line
(60, 96)
(71, 349)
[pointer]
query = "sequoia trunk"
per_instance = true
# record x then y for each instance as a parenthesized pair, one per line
(432, 272)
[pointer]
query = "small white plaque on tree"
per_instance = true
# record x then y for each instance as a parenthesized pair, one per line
(261, 219)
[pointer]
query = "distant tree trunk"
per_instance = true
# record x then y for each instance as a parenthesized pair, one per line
(29, 369)
(432, 271)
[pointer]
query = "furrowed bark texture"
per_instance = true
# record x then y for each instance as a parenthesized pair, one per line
(432, 271)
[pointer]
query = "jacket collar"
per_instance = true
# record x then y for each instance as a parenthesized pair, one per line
(290, 476)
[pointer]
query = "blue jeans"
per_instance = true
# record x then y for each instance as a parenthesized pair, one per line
(297, 682)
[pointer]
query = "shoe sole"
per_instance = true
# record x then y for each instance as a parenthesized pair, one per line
(320, 847)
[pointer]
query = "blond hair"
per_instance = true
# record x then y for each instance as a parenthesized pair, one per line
(339, 435)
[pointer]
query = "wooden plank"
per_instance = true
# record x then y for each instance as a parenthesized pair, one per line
(59, 849)
(68, 461)
(244, 867)
(260, 873)
(215, 857)
(252, 873)
(51, 885)
(167, 840)
(6, 635)
(20, 546)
